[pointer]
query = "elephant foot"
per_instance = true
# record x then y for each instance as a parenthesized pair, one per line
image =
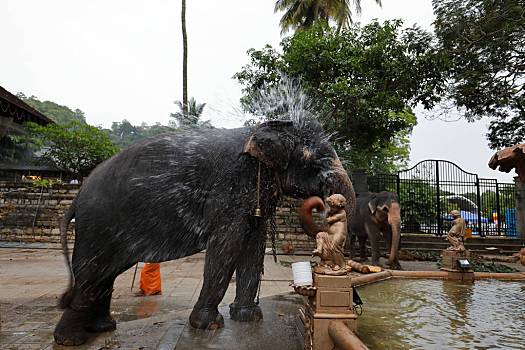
(245, 313)
(103, 324)
(70, 329)
(206, 319)
(395, 266)
(377, 263)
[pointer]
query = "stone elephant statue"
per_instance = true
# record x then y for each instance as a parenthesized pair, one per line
(376, 214)
(176, 194)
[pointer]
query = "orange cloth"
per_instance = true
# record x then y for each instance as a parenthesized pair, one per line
(150, 279)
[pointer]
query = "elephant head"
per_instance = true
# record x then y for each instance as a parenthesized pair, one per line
(386, 214)
(304, 161)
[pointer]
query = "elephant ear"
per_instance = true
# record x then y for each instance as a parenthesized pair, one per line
(372, 204)
(271, 143)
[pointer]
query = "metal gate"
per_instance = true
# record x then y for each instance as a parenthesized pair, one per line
(432, 188)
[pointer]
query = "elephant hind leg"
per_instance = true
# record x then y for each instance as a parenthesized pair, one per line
(88, 310)
(362, 249)
(102, 320)
(87, 313)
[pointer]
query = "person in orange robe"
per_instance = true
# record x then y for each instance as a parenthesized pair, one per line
(150, 283)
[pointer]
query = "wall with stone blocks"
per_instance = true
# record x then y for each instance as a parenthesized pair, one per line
(288, 227)
(32, 214)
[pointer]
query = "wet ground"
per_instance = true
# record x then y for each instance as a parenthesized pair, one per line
(31, 281)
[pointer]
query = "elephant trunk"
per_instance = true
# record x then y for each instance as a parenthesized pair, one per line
(343, 186)
(394, 221)
(338, 182)
(305, 215)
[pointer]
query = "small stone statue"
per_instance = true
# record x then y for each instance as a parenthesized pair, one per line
(330, 244)
(456, 235)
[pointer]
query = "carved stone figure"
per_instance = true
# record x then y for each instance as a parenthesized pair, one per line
(330, 243)
(456, 235)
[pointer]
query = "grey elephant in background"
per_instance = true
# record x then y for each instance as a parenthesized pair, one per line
(376, 214)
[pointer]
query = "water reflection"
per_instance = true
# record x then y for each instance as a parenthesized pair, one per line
(435, 314)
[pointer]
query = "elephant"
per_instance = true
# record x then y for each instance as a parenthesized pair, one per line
(375, 214)
(176, 194)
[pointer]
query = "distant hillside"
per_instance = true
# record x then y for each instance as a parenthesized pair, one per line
(59, 114)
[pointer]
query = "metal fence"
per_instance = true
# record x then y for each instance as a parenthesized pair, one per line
(432, 188)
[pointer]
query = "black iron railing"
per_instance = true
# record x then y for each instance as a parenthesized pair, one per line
(432, 188)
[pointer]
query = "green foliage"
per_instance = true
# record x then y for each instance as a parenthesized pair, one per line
(191, 119)
(484, 42)
(75, 146)
(16, 148)
(363, 81)
(46, 183)
(123, 133)
(59, 114)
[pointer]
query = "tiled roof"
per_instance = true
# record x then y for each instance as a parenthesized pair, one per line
(13, 106)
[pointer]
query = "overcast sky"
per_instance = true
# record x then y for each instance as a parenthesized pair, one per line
(117, 59)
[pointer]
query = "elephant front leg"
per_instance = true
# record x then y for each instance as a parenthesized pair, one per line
(395, 265)
(373, 235)
(248, 278)
(221, 256)
(362, 249)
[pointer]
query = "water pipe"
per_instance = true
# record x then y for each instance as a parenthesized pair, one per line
(343, 337)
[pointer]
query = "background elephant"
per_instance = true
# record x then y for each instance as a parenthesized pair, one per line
(176, 194)
(375, 214)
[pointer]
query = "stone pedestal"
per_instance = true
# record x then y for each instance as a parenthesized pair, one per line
(520, 207)
(450, 264)
(333, 300)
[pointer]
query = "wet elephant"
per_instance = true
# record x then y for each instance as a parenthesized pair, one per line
(376, 214)
(176, 194)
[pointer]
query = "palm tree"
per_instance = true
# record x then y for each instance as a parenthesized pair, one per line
(191, 117)
(301, 14)
(184, 59)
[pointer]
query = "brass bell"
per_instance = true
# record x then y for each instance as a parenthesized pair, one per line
(258, 212)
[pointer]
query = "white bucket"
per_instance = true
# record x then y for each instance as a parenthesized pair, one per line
(302, 273)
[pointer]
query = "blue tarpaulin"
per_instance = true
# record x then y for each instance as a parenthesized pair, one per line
(469, 216)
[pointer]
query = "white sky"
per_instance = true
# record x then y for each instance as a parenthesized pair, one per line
(121, 59)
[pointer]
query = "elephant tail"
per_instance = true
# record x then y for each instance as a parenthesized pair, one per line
(66, 298)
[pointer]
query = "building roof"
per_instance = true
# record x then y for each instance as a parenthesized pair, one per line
(21, 112)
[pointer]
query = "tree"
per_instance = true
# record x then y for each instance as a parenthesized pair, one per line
(363, 83)
(484, 42)
(75, 146)
(301, 14)
(59, 114)
(123, 133)
(184, 60)
(190, 118)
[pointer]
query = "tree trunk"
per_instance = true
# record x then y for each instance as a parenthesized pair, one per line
(184, 60)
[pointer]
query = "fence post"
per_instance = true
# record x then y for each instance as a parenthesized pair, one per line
(438, 216)
(498, 208)
(478, 200)
(398, 185)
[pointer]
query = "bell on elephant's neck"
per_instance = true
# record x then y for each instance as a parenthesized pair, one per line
(258, 213)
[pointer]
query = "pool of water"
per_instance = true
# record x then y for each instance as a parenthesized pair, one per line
(436, 314)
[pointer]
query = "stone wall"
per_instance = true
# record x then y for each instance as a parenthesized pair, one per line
(289, 229)
(32, 214)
